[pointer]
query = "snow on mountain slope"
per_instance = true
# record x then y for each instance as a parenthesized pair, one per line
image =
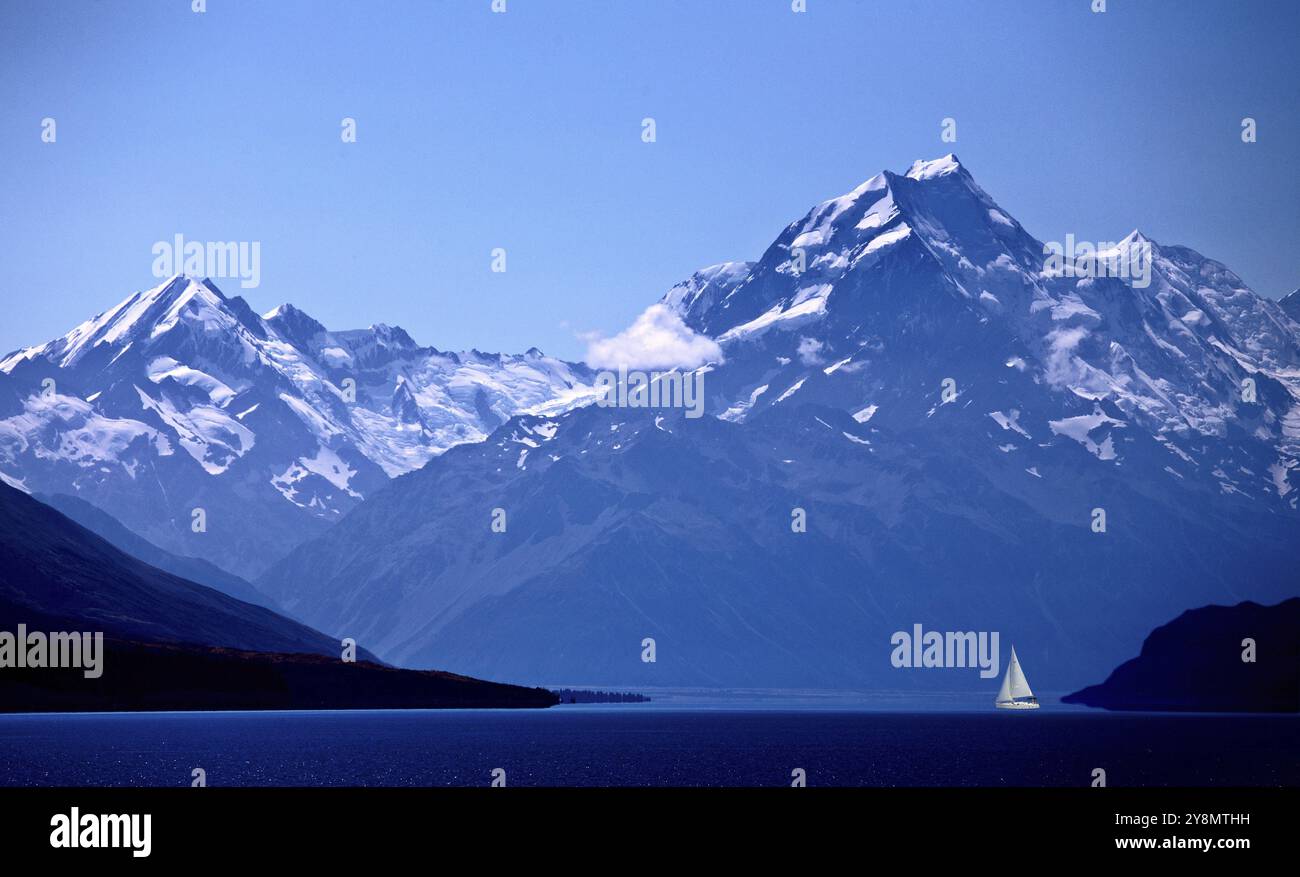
(625, 524)
(181, 398)
(706, 287)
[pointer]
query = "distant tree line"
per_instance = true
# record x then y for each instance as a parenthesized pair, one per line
(581, 695)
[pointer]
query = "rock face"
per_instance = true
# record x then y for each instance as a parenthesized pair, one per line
(180, 398)
(978, 438)
(1195, 663)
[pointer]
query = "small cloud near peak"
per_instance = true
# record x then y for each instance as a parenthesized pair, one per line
(657, 339)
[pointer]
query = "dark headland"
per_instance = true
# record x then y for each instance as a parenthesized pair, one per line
(1243, 658)
(146, 677)
(173, 644)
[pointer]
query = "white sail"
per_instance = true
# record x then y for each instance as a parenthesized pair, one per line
(1016, 682)
(1014, 685)
(1004, 693)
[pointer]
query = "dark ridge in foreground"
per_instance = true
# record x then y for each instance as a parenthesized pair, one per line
(1194, 664)
(146, 677)
(57, 575)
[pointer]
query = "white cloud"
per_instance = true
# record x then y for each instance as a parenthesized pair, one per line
(656, 339)
(1063, 367)
(810, 351)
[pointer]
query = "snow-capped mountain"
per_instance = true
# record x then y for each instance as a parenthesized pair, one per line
(181, 398)
(910, 280)
(950, 410)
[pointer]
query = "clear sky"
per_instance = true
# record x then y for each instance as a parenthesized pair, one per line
(522, 130)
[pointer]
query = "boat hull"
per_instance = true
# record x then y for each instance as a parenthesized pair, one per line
(1014, 705)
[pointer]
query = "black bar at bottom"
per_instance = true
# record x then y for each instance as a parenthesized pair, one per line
(332, 825)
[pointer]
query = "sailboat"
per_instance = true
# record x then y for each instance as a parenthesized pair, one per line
(1015, 693)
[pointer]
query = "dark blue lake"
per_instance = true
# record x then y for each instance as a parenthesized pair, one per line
(647, 745)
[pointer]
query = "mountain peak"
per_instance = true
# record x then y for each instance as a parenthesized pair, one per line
(939, 167)
(282, 310)
(146, 314)
(1291, 304)
(180, 287)
(926, 211)
(294, 324)
(394, 336)
(1136, 245)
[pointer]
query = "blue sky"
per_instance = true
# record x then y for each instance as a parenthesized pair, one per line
(478, 130)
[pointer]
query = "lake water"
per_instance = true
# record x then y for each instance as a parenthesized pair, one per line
(648, 745)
